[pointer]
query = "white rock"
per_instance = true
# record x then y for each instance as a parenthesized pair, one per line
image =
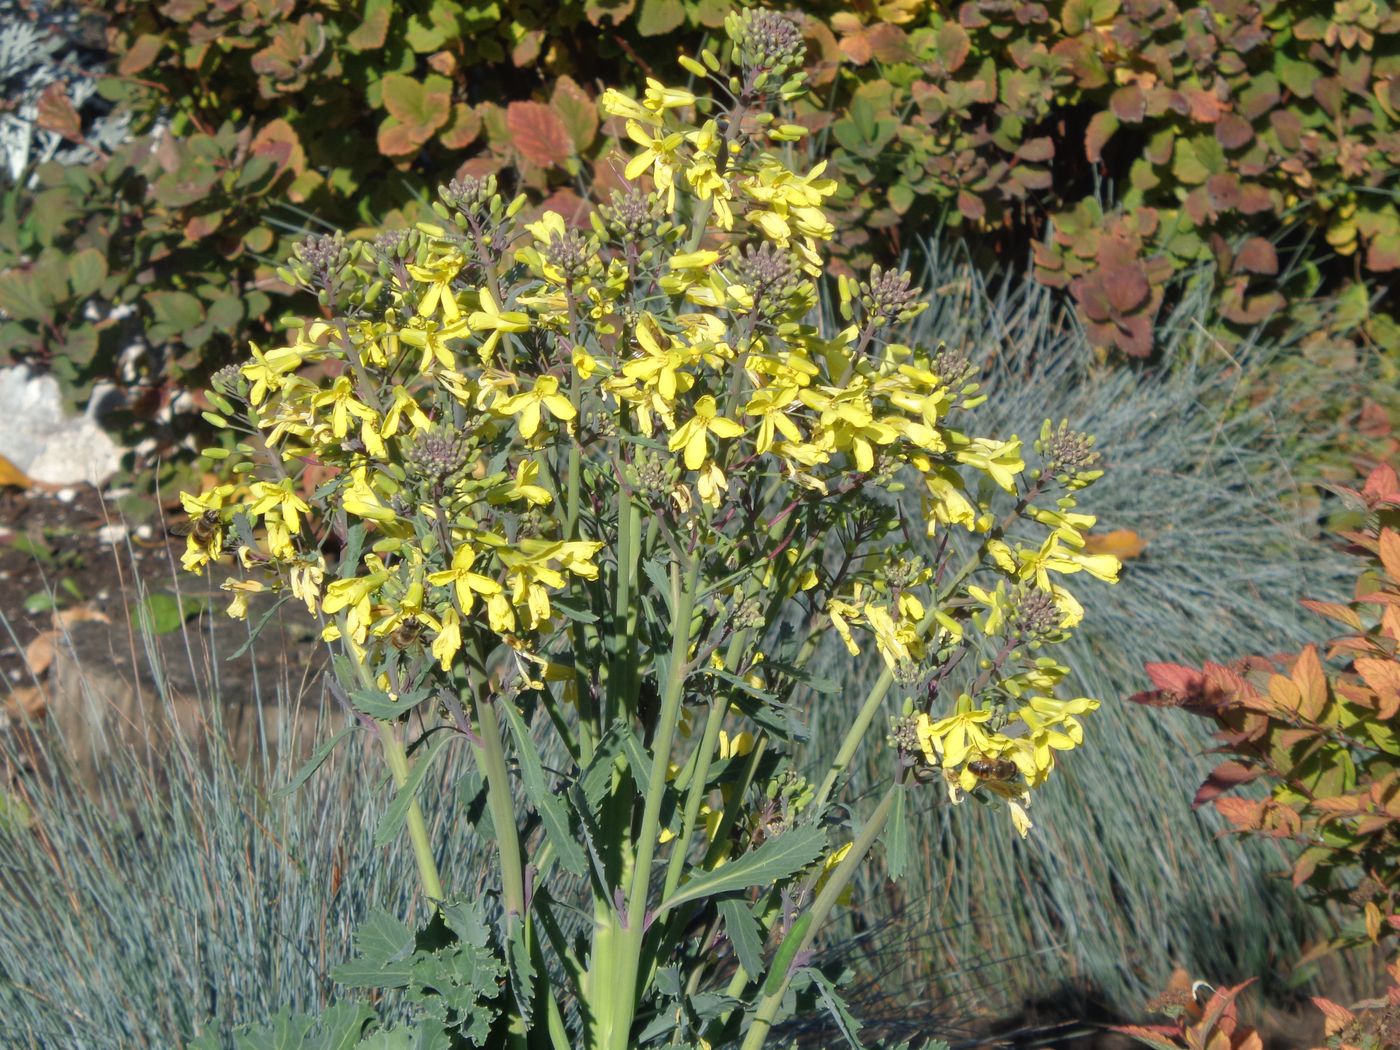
(44, 443)
(114, 533)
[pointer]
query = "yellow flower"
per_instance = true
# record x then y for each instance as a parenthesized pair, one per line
(267, 372)
(693, 435)
(769, 406)
(466, 583)
(439, 275)
(306, 576)
(241, 589)
(999, 460)
(659, 155)
(493, 319)
(431, 337)
(952, 739)
(528, 404)
(828, 867)
(448, 641)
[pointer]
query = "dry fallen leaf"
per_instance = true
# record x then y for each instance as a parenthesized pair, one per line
(28, 700)
(12, 475)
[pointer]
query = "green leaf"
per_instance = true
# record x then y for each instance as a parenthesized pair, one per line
(896, 837)
(836, 1006)
(522, 970)
(393, 820)
(742, 928)
(772, 862)
(161, 613)
(20, 299)
(86, 271)
(317, 759)
(383, 944)
(40, 601)
(659, 16)
(176, 311)
(545, 800)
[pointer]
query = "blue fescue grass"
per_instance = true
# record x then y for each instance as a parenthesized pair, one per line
(1121, 881)
(175, 886)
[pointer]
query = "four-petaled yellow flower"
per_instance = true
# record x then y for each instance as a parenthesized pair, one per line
(693, 435)
(528, 405)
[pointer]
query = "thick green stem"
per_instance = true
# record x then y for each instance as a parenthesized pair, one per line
(821, 909)
(696, 795)
(417, 827)
(682, 607)
(490, 755)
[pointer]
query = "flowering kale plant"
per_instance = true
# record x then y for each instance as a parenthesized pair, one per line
(596, 496)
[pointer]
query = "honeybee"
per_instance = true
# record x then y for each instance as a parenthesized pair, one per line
(406, 633)
(992, 768)
(202, 528)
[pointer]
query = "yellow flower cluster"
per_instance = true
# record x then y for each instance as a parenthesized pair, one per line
(483, 402)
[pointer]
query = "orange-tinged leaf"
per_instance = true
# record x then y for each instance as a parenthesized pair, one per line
(1390, 553)
(1343, 614)
(1123, 544)
(12, 475)
(1148, 1036)
(1337, 1016)
(1311, 682)
(1284, 694)
(55, 112)
(1243, 813)
(463, 129)
(1383, 676)
(1373, 922)
(857, 48)
(278, 140)
(538, 134)
(27, 700)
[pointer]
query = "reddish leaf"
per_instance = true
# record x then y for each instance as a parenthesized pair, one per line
(278, 140)
(1129, 104)
(1222, 778)
(971, 206)
(56, 113)
(1102, 125)
(1233, 131)
(1382, 486)
(141, 54)
(1126, 289)
(889, 44)
(1257, 255)
(538, 134)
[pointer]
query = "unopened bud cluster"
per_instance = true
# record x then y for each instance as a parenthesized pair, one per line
(1034, 615)
(768, 49)
(437, 454)
(632, 216)
(1067, 455)
(772, 277)
(890, 297)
